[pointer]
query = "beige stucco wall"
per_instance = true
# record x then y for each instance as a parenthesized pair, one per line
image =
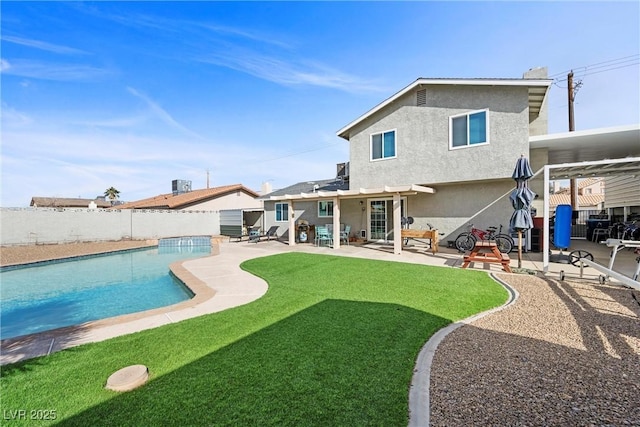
(236, 200)
(422, 138)
(50, 225)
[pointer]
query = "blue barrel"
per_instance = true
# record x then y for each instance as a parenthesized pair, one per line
(562, 227)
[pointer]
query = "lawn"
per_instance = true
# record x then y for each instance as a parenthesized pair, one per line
(333, 342)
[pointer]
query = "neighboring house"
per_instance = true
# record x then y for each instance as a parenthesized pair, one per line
(441, 151)
(622, 197)
(182, 198)
(585, 186)
(587, 202)
(591, 194)
(314, 212)
(65, 202)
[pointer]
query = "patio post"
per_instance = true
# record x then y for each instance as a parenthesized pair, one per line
(545, 240)
(336, 223)
(292, 224)
(397, 224)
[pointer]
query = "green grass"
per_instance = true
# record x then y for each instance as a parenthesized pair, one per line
(333, 342)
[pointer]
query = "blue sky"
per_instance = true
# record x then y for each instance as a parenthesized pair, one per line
(136, 94)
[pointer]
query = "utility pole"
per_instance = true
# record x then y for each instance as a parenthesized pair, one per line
(573, 183)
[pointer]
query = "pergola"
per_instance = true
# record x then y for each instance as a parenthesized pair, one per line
(395, 191)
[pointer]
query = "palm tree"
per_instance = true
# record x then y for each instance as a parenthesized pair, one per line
(112, 194)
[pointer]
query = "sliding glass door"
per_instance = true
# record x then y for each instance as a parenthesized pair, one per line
(381, 218)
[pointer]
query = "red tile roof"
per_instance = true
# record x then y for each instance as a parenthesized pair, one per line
(171, 201)
(581, 184)
(592, 200)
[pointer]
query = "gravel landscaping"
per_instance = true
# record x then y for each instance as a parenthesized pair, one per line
(566, 353)
(11, 255)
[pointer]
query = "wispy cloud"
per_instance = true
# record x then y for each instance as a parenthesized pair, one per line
(70, 162)
(251, 35)
(292, 73)
(11, 117)
(167, 25)
(264, 55)
(49, 47)
(162, 114)
(53, 71)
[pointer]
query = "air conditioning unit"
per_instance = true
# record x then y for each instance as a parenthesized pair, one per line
(179, 186)
(342, 171)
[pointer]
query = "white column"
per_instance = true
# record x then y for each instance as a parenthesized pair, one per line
(292, 224)
(545, 241)
(397, 224)
(336, 223)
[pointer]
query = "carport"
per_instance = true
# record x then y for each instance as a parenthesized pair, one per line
(593, 153)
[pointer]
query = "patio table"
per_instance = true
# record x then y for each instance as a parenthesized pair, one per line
(487, 252)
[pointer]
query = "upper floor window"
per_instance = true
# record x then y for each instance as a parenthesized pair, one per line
(383, 145)
(469, 129)
(282, 211)
(325, 209)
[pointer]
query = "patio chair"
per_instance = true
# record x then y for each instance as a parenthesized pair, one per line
(344, 234)
(323, 235)
(254, 234)
(271, 232)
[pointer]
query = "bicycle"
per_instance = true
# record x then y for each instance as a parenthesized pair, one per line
(467, 239)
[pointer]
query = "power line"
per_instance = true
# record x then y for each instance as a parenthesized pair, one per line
(297, 153)
(588, 72)
(602, 64)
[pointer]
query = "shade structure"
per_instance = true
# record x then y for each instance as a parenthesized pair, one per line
(521, 198)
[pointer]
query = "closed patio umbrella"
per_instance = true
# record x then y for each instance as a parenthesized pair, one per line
(521, 198)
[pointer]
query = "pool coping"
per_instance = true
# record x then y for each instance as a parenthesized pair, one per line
(46, 342)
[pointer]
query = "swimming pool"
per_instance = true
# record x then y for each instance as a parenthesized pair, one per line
(57, 294)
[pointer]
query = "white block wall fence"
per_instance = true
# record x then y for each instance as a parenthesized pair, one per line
(28, 226)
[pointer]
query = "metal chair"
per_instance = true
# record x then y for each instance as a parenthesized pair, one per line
(344, 234)
(323, 235)
(599, 232)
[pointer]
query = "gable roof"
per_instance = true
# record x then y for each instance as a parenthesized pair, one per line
(330, 188)
(177, 201)
(586, 182)
(537, 92)
(310, 187)
(589, 200)
(67, 202)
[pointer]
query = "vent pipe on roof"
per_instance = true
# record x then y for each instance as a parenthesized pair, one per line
(266, 188)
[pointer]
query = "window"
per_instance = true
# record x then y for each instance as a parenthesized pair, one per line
(383, 145)
(325, 209)
(282, 212)
(469, 129)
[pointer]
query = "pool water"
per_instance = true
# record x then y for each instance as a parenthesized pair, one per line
(53, 295)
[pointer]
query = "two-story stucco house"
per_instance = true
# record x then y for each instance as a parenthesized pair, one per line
(441, 151)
